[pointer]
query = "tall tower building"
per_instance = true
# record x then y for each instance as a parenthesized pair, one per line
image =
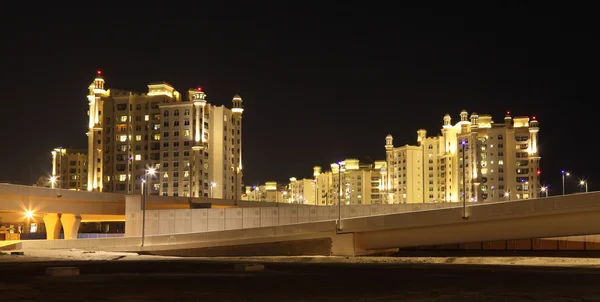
(194, 147)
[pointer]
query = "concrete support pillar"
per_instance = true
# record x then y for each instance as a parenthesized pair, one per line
(53, 224)
(133, 216)
(70, 223)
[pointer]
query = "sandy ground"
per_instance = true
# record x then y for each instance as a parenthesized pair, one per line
(129, 277)
(83, 255)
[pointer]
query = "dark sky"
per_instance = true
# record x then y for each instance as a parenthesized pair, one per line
(319, 84)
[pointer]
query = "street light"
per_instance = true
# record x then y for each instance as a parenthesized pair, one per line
(463, 143)
(53, 181)
(340, 170)
(507, 195)
(584, 183)
(145, 181)
(545, 190)
(212, 185)
(564, 173)
(316, 196)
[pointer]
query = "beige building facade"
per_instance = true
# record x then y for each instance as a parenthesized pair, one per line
(193, 147)
(485, 160)
(69, 169)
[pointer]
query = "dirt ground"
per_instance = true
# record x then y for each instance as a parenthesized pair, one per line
(130, 277)
(88, 255)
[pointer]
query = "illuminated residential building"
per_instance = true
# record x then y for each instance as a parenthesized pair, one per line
(488, 161)
(194, 146)
(405, 173)
(362, 183)
(69, 169)
(269, 192)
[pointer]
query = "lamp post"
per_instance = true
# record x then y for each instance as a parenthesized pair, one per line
(463, 144)
(53, 182)
(522, 188)
(316, 193)
(564, 173)
(340, 170)
(148, 172)
(584, 183)
(545, 190)
(212, 185)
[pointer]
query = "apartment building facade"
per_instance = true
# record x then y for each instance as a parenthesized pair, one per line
(69, 169)
(187, 142)
(475, 159)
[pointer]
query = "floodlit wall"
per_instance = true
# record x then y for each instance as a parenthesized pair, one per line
(181, 221)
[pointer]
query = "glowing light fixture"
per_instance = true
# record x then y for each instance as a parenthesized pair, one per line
(28, 214)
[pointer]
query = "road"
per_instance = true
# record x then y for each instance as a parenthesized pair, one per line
(193, 280)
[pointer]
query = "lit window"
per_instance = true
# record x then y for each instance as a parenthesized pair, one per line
(146, 118)
(122, 138)
(138, 137)
(138, 157)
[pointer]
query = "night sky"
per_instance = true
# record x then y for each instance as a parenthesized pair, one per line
(319, 84)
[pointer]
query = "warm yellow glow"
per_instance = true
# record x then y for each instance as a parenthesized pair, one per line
(29, 214)
(237, 110)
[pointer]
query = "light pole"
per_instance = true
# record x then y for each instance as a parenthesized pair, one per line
(545, 190)
(463, 143)
(53, 182)
(316, 194)
(522, 188)
(584, 183)
(564, 173)
(145, 181)
(212, 185)
(340, 170)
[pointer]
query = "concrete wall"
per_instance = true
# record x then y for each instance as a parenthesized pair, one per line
(181, 221)
(239, 242)
(570, 215)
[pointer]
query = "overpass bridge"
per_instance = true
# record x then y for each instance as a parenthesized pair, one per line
(181, 234)
(66, 209)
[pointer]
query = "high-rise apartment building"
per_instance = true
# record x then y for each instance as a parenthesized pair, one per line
(188, 143)
(361, 184)
(488, 161)
(69, 169)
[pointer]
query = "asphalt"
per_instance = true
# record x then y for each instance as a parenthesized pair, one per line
(197, 280)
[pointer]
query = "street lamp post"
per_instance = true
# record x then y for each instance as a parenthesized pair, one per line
(53, 182)
(212, 185)
(584, 183)
(545, 190)
(564, 173)
(341, 167)
(463, 143)
(145, 181)
(316, 193)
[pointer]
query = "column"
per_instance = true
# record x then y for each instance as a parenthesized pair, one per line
(133, 215)
(199, 123)
(53, 224)
(70, 223)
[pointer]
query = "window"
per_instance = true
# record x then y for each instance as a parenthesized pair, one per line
(166, 113)
(176, 113)
(186, 112)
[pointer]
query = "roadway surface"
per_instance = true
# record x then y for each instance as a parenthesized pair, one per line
(194, 280)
